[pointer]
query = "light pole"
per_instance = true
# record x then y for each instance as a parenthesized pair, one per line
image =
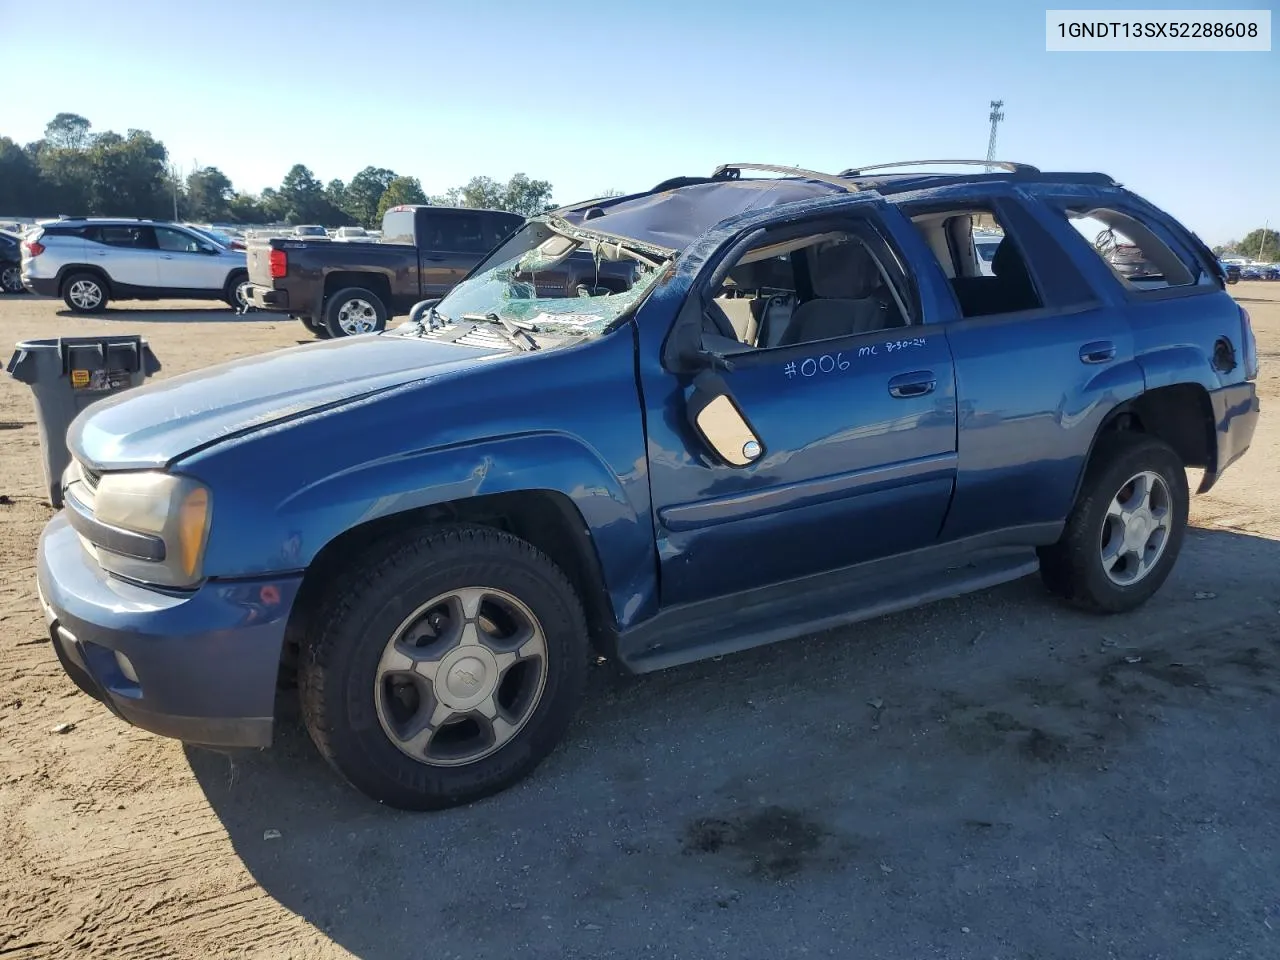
(995, 116)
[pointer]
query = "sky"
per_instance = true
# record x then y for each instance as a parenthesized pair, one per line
(620, 95)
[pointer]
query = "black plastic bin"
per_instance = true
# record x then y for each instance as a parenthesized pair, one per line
(67, 374)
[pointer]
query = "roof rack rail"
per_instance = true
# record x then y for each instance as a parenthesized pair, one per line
(1006, 165)
(732, 171)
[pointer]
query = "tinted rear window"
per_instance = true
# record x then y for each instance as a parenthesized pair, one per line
(457, 233)
(397, 226)
(499, 226)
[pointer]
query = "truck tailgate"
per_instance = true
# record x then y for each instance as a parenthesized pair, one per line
(258, 255)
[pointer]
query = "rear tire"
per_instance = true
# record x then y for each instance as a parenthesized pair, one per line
(354, 311)
(1126, 529)
(85, 293)
(444, 667)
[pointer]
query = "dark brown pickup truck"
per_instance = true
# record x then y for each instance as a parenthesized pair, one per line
(340, 289)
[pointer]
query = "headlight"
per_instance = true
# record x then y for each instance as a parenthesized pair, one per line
(176, 510)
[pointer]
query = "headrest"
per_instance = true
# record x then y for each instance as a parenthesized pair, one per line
(843, 271)
(1006, 262)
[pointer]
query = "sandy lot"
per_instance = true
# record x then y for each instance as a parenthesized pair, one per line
(995, 776)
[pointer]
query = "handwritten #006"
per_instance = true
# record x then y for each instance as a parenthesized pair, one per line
(828, 363)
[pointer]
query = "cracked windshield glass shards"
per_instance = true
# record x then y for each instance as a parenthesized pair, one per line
(560, 285)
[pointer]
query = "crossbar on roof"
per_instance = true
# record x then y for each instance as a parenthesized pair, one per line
(728, 170)
(1007, 165)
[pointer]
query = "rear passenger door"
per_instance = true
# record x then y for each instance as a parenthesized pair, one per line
(450, 243)
(127, 254)
(1040, 360)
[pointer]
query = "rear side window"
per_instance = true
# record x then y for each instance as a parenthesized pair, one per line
(397, 226)
(1133, 250)
(125, 235)
(460, 233)
(498, 226)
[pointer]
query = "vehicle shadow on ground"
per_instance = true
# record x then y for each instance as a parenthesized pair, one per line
(901, 778)
(172, 315)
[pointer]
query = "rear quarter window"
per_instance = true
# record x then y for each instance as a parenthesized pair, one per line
(1137, 251)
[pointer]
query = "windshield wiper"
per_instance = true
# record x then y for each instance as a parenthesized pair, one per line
(516, 334)
(428, 321)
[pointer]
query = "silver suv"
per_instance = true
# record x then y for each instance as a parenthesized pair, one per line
(89, 260)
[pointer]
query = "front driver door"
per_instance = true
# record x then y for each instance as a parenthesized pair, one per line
(859, 437)
(187, 263)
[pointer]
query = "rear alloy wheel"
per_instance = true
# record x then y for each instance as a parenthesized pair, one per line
(444, 667)
(10, 278)
(84, 293)
(1125, 531)
(354, 311)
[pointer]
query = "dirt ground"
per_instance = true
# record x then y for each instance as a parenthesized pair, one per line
(995, 776)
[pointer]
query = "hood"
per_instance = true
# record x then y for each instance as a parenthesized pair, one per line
(152, 425)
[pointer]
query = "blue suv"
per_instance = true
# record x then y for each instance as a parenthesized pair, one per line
(812, 406)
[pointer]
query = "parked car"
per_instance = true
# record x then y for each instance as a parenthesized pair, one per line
(341, 289)
(310, 230)
(1251, 272)
(986, 244)
(1271, 272)
(351, 233)
(787, 422)
(10, 262)
(220, 237)
(1231, 271)
(91, 261)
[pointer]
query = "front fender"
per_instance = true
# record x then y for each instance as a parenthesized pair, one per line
(290, 535)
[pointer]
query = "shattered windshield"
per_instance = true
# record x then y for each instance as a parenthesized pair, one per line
(560, 285)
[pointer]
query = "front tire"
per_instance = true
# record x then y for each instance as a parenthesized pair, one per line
(1125, 532)
(84, 293)
(445, 669)
(354, 311)
(314, 326)
(10, 277)
(236, 293)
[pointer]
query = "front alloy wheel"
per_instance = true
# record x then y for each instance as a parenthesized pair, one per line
(442, 665)
(461, 676)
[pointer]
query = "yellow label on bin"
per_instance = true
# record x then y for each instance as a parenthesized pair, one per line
(79, 378)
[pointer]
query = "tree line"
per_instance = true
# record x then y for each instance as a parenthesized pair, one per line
(75, 171)
(1260, 244)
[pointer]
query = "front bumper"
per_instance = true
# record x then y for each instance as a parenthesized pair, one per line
(1235, 415)
(268, 298)
(205, 663)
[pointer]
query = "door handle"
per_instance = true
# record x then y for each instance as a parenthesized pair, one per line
(434, 259)
(1100, 351)
(917, 384)
(166, 256)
